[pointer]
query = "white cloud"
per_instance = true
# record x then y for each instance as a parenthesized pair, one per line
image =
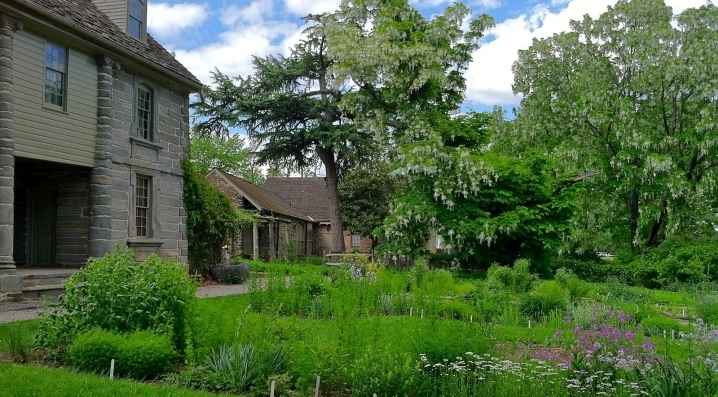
(233, 54)
(482, 4)
(489, 77)
(305, 7)
(167, 20)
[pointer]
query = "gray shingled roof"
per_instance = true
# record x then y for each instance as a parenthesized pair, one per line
(85, 15)
(265, 199)
(309, 195)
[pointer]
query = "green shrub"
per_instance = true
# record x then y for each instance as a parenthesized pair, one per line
(548, 296)
(708, 308)
(657, 325)
(516, 279)
(501, 275)
(140, 355)
(593, 270)
(522, 275)
(572, 284)
(115, 293)
(237, 365)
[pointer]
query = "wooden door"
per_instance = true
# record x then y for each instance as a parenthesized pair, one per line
(41, 227)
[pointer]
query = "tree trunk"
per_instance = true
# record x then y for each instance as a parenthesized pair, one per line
(332, 186)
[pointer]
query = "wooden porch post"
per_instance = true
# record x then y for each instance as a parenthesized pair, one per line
(255, 241)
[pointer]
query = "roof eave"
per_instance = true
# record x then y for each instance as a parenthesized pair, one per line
(102, 43)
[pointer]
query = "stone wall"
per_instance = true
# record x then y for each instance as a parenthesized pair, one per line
(159, 159)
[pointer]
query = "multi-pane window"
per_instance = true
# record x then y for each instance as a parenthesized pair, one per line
(142, 205)
(356, 240)
(144, 113)
(55, 74)
(136, 18)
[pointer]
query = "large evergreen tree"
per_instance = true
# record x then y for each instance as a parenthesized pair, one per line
(290, 108)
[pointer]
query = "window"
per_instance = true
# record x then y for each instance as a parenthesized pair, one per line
(439, 243)
(356, 240)
(136, 19)
(55, 75)
(142, 205)
(144, 112)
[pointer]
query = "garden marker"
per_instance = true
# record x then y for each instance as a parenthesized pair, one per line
(411, 311)
(112, 368)
(316, 391)
(529, 323)
(673, 334)
(271, 389)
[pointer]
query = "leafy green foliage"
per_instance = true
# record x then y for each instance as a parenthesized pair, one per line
(364, 196)
(548, 297)
(630, 94)
(140, 355)
(117, 294)
(516, 279)
(226, 153)
(575, 287)
(211, 220)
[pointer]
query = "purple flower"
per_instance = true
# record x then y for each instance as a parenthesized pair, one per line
(558, 334)
(566, 319)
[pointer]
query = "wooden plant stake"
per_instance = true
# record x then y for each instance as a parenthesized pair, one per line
(271, 389)
(411, 311)
(112, 369)
(316, 390)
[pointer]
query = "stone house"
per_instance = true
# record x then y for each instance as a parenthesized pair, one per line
(94, 125)
(309, 195)
(281, 229)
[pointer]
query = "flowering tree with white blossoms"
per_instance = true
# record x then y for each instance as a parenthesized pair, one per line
(408, 72)
(633, 94)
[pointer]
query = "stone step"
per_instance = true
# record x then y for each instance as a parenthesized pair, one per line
(35, 280)
(41, 291)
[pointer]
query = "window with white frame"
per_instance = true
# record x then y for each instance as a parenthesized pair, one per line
(144, 112)
(356, 240)
(136, 16)
(55, 75)
(143, 199)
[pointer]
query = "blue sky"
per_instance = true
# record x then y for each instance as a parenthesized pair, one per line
(226, 34)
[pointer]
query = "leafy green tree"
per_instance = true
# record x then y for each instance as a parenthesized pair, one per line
(290, 109)
(520, 211)
(364, 195)
(409, 71)
(226, 153)
(211, 220)
(631, 94)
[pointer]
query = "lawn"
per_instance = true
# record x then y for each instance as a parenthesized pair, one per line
(363, 330)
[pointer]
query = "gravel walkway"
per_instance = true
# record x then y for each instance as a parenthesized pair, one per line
(28, 310)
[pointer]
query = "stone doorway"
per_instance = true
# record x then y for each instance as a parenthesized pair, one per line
(52, 214)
